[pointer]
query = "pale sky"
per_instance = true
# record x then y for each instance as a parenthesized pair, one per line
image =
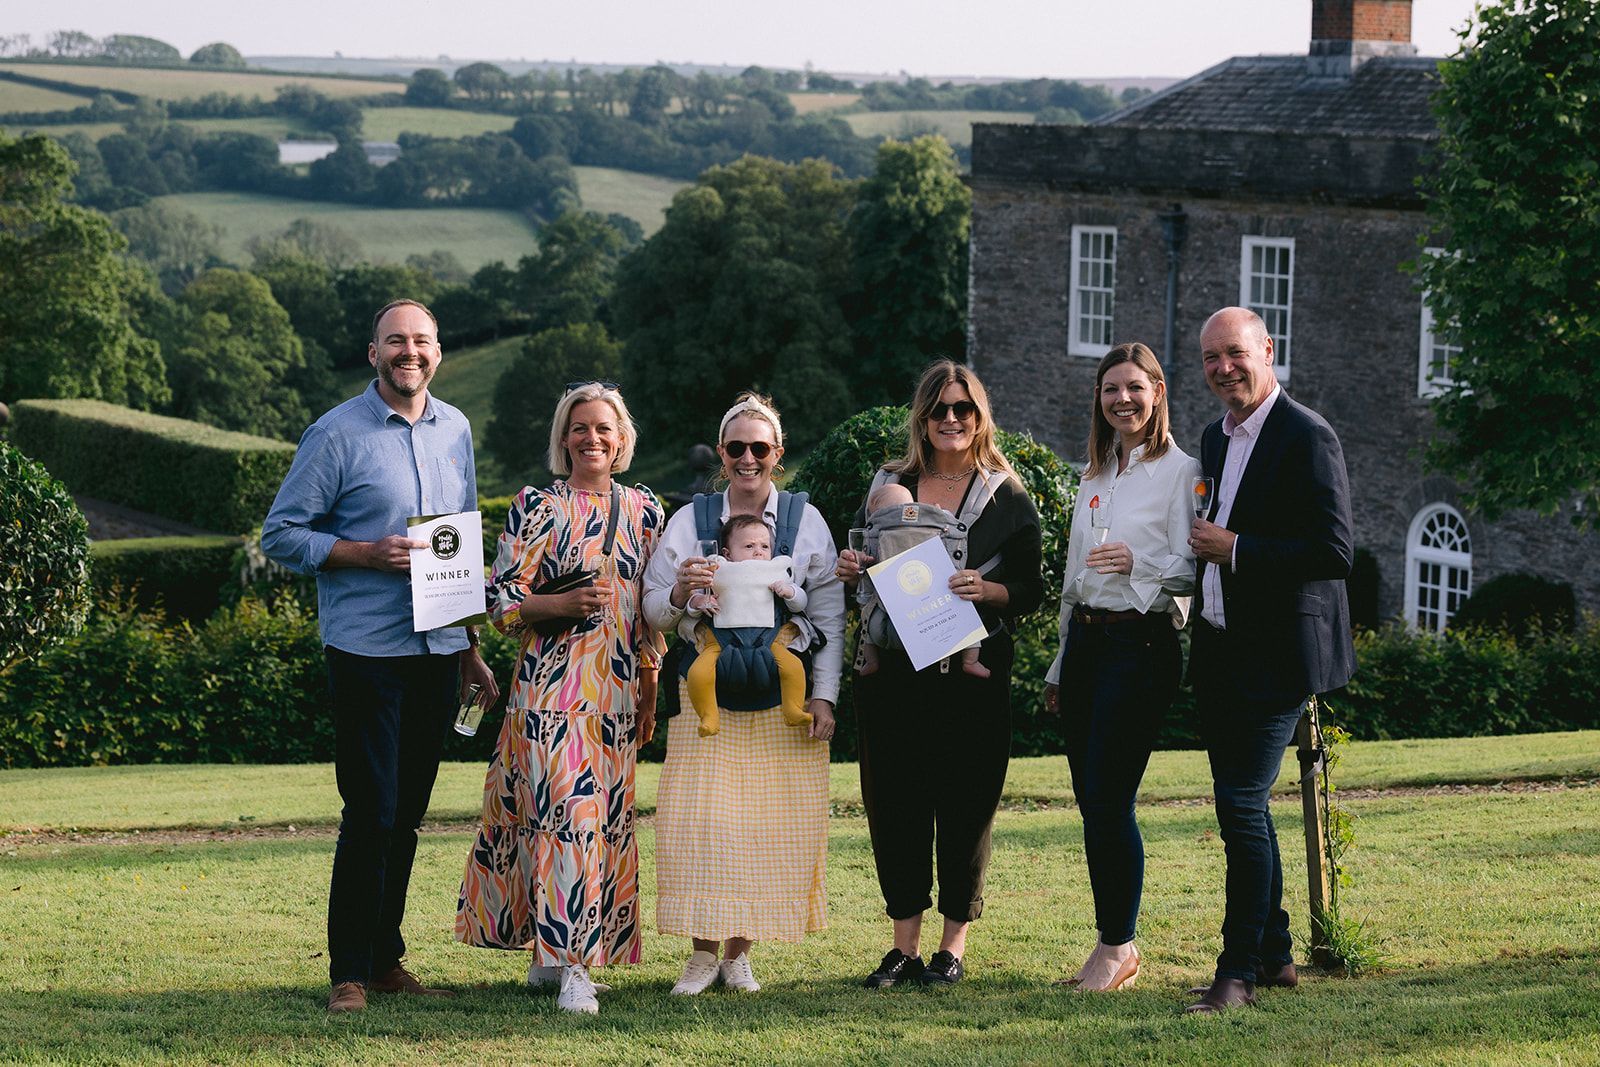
(1014, 38)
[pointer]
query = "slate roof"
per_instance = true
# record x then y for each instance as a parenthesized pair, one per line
(1386, 96)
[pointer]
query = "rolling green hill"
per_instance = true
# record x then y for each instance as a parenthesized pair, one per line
(18, 97)
(178, 84)
(956, 126)
(641, 197)
(388, 123)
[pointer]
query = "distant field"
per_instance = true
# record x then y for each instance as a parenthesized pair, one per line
(388, 123)
(189, 84)
(265, 125)
(811, 103)
(93, 130)
(956, 126)
(641, 197)
(15, 97)
(476, 235)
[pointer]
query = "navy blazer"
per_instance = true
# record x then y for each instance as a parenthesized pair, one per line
(1285, 600)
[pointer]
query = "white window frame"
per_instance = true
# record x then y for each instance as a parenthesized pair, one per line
(1075, 289)
(1282, 339)
(1429, 340)
(1450, 562)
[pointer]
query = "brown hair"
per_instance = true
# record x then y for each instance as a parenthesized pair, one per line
(919, 449)
(1102, 438)
(377, 319)
(736, 523)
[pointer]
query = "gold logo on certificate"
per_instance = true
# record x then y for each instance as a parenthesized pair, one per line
(914, 578)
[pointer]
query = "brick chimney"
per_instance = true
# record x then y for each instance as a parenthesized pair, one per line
(1347, 33)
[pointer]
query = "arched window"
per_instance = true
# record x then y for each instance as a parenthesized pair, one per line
(1438, 566)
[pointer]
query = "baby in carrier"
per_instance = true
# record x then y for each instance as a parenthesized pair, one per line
(882, 503)
(742, 595)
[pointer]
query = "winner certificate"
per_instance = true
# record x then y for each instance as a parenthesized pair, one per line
(447, 576)
(914, 588)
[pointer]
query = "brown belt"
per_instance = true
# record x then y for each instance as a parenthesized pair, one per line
(1102, 618)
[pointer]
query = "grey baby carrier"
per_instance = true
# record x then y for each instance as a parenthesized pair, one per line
(898, 527)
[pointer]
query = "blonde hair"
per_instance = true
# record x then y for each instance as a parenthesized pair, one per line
(919, 449)
(1102, 438)
(754, 406)
(559, 461)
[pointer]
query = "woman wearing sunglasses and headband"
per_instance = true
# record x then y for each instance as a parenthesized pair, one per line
(935, 743)
(742, 815)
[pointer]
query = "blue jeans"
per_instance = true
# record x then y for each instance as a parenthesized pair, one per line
(390, 717)
(1117, 682)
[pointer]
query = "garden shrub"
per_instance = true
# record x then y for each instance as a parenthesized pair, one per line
(1519, 603)
(184, 575)
(187, 471)
(837, 472)
(44, 551)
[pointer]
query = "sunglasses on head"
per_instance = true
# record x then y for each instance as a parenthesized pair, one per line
(964, 410)
(758, 449)
(600, 382)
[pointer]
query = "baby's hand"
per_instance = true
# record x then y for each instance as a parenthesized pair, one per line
(783, 589)
(703, 602)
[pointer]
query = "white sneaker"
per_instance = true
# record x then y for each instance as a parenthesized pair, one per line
(736, 974)
(699, 974)
(539, 977)
(577, 991)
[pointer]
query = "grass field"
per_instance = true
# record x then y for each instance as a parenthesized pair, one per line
(17, 97)
(476, 235)
(955, 126)
(272, 126)
(641, 197)
(201, 948)
(812, 103)
(388, 123)
(180, 84)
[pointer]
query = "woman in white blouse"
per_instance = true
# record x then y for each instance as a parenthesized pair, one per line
(1122, 604)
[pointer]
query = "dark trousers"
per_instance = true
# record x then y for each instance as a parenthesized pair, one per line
(1245, 734)
(934, 750)
(390, 717)
(1117, 682)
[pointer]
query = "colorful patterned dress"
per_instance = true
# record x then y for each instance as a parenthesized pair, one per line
(555, 870)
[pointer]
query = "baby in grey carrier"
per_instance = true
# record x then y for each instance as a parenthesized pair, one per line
(895, 523)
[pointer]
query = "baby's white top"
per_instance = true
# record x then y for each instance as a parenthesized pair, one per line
(744, 594)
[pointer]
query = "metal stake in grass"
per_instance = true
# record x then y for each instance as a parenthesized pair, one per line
(1313, 763)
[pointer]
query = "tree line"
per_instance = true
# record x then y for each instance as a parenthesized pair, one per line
(117, 48)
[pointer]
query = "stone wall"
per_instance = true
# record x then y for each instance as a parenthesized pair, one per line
(1355, 346)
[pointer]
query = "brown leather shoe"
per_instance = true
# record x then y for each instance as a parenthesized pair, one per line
(399, 980)
(347, 997)
(1224, 993)
(1285, 977)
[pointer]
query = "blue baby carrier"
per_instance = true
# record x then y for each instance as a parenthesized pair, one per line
(747, 675)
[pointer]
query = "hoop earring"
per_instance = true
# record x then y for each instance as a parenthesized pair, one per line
(778, 470)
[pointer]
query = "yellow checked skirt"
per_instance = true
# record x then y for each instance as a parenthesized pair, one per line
(742, 829)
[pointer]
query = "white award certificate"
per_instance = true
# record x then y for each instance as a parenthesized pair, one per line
(447, 577)
(914, 588)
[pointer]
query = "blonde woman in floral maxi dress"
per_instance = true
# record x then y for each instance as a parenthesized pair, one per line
(555, 868)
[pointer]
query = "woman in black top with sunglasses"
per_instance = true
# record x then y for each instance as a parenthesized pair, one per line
(935, 743)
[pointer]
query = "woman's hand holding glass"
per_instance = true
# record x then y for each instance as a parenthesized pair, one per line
(694, 573)
(1114, 557)
(854, 560)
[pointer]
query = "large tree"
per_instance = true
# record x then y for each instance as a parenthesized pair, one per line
(218, 54)
(1515, 197)
(233, 357)
(526, 395)
(429, 87)
(740, 289)
(67, 297)
(131, 48)
(177, 244)
(570, 279)
(908, 235)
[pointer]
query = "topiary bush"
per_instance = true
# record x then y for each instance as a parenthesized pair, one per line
(837, 472)
(1520, 603)
(185, 576)
(44, 555)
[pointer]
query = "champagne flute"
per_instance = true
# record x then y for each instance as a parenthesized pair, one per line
(1203, 489)
(1099, 524)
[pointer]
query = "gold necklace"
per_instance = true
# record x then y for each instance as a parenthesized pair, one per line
(952, 477)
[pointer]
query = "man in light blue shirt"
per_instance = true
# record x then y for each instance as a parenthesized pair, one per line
(361, 471)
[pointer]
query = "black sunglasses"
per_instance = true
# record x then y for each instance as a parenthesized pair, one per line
(603, 384)
(758, 449)
(964, 410)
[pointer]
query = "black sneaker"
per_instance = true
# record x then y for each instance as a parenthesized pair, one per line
(943, 969)
(896, 967)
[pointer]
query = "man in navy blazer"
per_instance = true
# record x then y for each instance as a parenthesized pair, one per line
(1272, 625)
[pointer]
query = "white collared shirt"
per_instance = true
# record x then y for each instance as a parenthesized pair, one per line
(1151, 509)
(1242, 438)
(814, 560)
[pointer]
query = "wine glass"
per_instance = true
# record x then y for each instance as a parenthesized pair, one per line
(1099, 524)
(1203, 489)
(858, 545)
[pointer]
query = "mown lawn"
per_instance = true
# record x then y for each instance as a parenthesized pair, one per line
(644, 198)
(954, 126)
(476, 235)
(197, 951)
(178, 84)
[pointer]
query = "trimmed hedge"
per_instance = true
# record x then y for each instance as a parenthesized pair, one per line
(44, 548)
(184, 575)
(183, 470)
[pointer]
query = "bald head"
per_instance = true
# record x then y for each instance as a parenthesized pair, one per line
(1236, 352)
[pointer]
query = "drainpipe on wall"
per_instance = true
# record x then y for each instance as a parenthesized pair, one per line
(1174, 228)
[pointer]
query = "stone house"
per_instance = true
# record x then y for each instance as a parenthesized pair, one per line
(1286, 184)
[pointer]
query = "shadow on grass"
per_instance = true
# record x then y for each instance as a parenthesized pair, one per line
(1486, 1011)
